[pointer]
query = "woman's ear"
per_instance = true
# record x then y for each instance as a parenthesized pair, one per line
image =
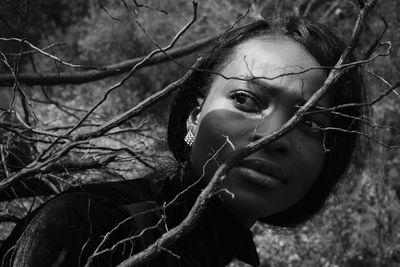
(194, 116)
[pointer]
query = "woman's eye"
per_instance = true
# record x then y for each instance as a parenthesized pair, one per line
(246, 101)
(313, 125)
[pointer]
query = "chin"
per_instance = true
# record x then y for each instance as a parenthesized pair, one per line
(245, 206)
(251, 200)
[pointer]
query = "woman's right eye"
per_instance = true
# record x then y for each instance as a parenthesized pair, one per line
(245, 101)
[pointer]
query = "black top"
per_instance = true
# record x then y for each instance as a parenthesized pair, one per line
(109, 219)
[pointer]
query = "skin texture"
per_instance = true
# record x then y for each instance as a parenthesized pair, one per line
(280, 174)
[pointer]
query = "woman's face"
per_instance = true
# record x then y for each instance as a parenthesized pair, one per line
(237, 112)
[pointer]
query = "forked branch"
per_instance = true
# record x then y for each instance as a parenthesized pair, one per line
(188, 223)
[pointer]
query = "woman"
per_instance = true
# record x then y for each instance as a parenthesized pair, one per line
(251, 82)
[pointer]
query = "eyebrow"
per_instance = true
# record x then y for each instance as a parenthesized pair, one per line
(259, 82)
(274, 89)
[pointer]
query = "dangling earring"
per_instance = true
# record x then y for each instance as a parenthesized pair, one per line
(189, 138)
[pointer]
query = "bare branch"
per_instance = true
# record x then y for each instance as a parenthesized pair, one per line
(9, 218)
(149, 7)
(135, 111)
(370, 103)
(111, 70)
(107, 12)
(33, 51)
(185, 226)
(3, 161)
(58, 167)
(128, 150)
(361, 134)
(133, 70)
(50, 55)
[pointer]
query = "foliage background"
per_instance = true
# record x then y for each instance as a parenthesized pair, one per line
(359, 227)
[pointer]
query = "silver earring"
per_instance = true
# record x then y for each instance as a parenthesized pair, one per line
(189, 138)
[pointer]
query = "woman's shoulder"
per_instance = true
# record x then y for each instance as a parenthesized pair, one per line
(82, 215)
(96, 198)
(102, 200)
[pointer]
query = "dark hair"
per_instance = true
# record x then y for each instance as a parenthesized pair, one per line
(326, 48)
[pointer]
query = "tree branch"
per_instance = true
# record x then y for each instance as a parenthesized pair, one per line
(171, 236)
(57, 167)
(136, 110)
(111, 70)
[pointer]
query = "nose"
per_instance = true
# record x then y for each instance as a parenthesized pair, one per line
(280, 147)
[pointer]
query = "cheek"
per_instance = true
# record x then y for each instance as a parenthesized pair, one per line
(303, 163)
(307, 164)
(216, 133)
(311, 153)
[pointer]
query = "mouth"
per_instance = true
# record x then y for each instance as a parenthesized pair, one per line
(262, 172)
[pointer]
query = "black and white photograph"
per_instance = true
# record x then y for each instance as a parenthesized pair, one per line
(209, 133)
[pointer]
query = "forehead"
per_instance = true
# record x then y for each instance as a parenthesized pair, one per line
(276, 61)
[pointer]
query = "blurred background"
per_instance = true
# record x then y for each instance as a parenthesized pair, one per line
(359, 226)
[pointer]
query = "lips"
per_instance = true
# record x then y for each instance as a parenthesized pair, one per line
(263, 167)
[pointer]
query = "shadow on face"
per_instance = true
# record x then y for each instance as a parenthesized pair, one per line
(241, 111)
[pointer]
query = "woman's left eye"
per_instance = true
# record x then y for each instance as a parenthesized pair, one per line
(313, 125)
(245, 101)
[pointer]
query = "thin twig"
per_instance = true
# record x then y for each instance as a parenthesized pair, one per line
(33, 51)
(133, 70)
(3, 160)
(57, 59)
(127, 115)
(188, 223)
